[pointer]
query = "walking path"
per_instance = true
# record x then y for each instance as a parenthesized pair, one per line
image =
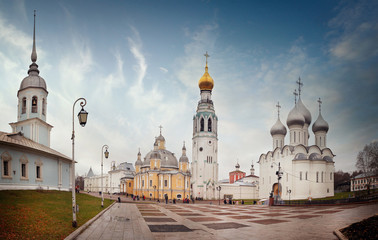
(205, 221)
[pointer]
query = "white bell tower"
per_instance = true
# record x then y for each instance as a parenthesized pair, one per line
(205, 142)
(32, 104)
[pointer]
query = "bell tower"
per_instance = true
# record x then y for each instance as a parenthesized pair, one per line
(32, 104)
(205, 142)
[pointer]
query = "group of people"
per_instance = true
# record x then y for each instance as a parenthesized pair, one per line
(230, 201)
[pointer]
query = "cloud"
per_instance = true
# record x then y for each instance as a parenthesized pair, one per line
(355, 32)
(164, 70)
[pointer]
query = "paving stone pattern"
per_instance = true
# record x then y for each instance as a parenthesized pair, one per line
(199, 221)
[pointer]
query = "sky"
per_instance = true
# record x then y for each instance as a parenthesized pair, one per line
(138, 63)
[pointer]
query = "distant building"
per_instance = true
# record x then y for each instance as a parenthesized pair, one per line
(160, 174)
(243, 188)
(27, 161)
(111, 179)
(305, 171)
(361, 181)
(237, 174)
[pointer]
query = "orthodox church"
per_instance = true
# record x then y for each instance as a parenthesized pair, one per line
(298, 170)
(160, 174)
(205, 142)
(27, 161)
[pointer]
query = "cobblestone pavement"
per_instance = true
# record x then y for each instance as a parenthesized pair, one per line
(200, 221)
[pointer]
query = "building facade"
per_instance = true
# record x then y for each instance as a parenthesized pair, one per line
(363, 181)
(305, 171)
(27, 161)
(112, 181)
(205, 142)
(160, 175)
(237, 174)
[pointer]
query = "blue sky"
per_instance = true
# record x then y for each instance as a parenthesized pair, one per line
(138, 64)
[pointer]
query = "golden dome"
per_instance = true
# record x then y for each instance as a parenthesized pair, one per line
(206, 82)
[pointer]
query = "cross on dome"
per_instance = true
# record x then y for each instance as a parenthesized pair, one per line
(160, 128)
(295, 96)
(278, 110)
(320, 104)
(207, 56)
(300, 84)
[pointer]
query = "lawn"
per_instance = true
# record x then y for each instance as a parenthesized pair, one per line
(43, 214)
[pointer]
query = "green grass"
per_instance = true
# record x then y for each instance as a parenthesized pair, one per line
(43, 214)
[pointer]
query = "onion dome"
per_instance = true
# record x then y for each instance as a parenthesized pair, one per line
(33, 80)
(160, 138)
(237, 166)
(295, 117)
(138, 161)
(278, 128)
(320, 125)
(206, 82)
(304, 111)
(183, 157)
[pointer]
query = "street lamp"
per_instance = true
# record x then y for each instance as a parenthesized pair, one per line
(106, 153)
(82, 115)
(219, 189)
(154, 191)
(289, 191)
(279, 176)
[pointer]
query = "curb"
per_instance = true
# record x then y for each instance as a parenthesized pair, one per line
(81, 229)
(339, 235)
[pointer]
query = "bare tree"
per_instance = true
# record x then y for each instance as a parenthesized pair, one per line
(367, 161)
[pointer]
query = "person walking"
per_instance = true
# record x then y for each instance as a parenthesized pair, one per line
(166, 198)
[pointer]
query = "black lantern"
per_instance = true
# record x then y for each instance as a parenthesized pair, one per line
(82, 115)
(106, 153)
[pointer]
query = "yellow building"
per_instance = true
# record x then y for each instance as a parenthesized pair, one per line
(160, 174)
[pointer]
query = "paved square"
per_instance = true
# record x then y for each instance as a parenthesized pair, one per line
(226, 225)
(213, 222)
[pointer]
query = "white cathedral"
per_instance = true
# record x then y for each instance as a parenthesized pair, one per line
(305, 171)
(205, 142)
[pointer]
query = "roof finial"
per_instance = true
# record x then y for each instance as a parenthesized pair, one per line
(34, 52)
(160, 129)
(300, 84)
(278, 109)
(207, 56)
(320, 105)
(295, 96)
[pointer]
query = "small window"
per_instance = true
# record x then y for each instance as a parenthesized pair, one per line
(129, 184)
(202, 123)
(317, 177)
(23, 170)
(165, 183)
(38, 173)
(150, 183)
(6, 168)
(330, 176)
(43, 106)
(34, 104)
(300, 176)
(6, 160)
(23, 110)
(142, 183)
(306, 176)
(209, 128)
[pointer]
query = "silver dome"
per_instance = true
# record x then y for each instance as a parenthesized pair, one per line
(184, 159)
(315, 156)
(278, 128)
(168, 160)
(295, 117)
(320, 125)
(305, 112)
(33, 81)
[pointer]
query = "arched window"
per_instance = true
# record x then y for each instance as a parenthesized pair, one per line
(34, 104)
(23, 110)
(202, 124)
(317, 177)
(43, 106)
(306, 176)
(209, 125)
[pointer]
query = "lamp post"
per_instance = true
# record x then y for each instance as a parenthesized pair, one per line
(82, 115)
(289, 191)
(219, 189)
(106, 153)
(279, 175)
(154, 191)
